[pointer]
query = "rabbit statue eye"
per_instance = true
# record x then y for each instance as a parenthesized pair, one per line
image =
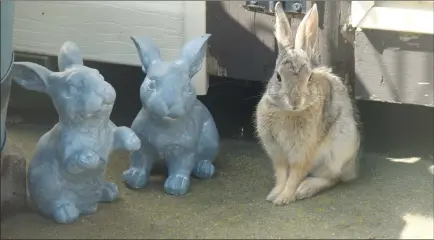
(189, 89)
(151, 85)
(71, 91)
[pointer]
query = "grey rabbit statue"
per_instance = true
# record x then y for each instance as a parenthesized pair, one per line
(173, 125)
(66, 174)
(306, 120)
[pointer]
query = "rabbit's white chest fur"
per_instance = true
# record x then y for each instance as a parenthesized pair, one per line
(284, 136)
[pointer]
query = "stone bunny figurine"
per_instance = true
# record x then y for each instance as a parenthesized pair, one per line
(306, 120)
(66, 174)
(173, 124)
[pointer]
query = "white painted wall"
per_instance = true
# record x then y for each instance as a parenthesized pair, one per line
(102, 29)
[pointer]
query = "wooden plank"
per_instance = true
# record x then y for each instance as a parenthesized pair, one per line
(394, 67)
(335, 48)
(102, 30)
(242, 45)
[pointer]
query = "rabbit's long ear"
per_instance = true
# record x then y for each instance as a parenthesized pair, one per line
(307, 32)
(283, 32)
(193, 53)
(30, 75)
(69, 56)
(147, 50)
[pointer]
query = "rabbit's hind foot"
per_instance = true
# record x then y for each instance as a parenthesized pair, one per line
(92, 208)
(65, 212)
(110, 192)
(177, 184)
(204, 169)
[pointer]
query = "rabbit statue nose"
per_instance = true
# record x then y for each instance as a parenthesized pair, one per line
(109, 94)
(176, 111)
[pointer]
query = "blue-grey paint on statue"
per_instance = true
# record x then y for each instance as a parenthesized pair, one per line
(173, 125)
(66, 174)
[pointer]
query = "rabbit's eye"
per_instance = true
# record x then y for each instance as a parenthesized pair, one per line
(278, 78)
(309, 79)
(151, 85)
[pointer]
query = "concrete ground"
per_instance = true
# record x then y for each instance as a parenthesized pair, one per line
(393, 198)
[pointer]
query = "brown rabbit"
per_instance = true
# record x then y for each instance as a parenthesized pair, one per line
(306, 119)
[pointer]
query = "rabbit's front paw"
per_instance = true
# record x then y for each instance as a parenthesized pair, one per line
(177, 184)
(110, 192)
(284, 198)
(274, 193)
(65, 212)
(79, 162)
(135, 177)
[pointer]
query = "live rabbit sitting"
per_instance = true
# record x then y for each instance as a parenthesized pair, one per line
(66, 174)
(173, 124)
(306, 120)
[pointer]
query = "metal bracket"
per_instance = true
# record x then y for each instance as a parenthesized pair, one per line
(267, 7)
(348, 31)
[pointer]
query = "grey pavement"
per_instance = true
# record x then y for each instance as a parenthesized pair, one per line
(393, 198)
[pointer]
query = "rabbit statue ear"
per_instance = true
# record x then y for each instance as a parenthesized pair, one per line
(283, 32)
(69, 56)
(148, 52)
(193, 53)
(307, 32)
(30, 75)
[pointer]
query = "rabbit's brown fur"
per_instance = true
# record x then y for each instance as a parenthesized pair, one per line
(305, 119)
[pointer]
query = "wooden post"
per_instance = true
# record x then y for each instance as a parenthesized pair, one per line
(335, 42)
(13, 180)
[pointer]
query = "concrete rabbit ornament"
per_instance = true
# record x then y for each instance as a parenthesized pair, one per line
(173, 124)
(66, 174)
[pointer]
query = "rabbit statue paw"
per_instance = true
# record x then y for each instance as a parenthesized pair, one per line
(173, 125)
(126, 139)
(66, 173)
(204, 169)
(110, 192)
(177, 184)
(82, 160)
(135, 177)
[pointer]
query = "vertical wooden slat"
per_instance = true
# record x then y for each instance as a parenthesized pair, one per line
(335, 45)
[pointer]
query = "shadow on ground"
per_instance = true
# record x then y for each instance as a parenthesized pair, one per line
(391, 199)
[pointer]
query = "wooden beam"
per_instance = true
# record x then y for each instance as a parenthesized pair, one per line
(335, 43)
